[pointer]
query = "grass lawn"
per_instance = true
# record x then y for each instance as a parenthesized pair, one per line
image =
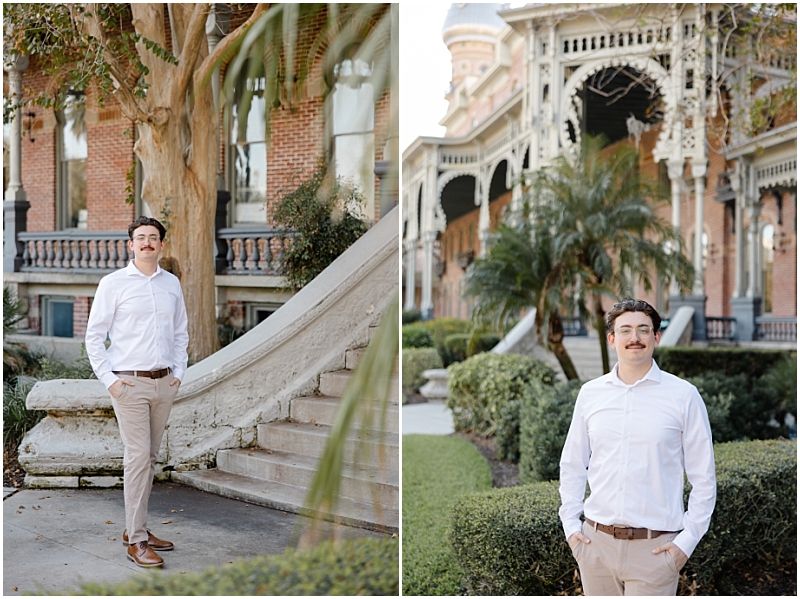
(436, 470)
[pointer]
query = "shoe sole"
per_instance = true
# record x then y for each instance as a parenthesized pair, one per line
(145, 565)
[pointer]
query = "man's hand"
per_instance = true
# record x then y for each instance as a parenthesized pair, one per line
(116, 388)
(577, 537)
(676, 552)
(174, 382)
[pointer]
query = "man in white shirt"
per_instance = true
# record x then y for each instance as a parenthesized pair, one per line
(633, 434)
(141, 310)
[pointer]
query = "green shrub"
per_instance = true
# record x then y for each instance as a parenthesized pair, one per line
(738, 409)
(17, 418)
(410, 316)
(417, 335)
(485, 391)
(325, 216)
(782, 378)
(697, 361)
(361, 567)
(462, 345)
(510, 541)
(436, 470)
(415, 362)
(441, 329)
(545, 416)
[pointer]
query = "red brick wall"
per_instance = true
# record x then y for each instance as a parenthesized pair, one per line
(110, 155)
(80, 315)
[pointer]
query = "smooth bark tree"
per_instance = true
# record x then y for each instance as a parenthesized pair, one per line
(153, 60)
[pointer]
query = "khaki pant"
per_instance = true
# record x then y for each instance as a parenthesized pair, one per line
(612, 566)
(142, 411)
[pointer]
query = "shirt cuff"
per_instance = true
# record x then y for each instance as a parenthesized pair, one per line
(108, 379)
(572, 526)
(686, 542)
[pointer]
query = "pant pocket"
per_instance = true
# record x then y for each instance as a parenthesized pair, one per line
(670, 561)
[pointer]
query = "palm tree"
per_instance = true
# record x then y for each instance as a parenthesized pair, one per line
(514, 275)
(603, 230)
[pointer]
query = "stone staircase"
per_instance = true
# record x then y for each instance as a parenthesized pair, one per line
(585, 354)
(278, 471)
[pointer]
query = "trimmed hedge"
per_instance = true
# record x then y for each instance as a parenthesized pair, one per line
(697, 361)
(410, 316)
(417, 361)
(362, 567)
(441, 329)
(436, 470)
(458, 346)
(545, 416)
(510, 541)
(485, 391)
(740, 409)
(416, 335)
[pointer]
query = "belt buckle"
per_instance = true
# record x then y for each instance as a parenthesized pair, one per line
(623, 533)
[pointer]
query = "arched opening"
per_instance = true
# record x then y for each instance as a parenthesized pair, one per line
(617, 102)
(458, 197)
(497, 187)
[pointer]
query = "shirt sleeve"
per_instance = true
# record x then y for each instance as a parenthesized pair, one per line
(180, 343)
(101, 317)
(574, 471)
(698, 455)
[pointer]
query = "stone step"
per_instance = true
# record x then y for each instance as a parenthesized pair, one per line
(362, 447)
(362, 483)
(322, 410)
(352, 357)
(333, 384)
(289, 498)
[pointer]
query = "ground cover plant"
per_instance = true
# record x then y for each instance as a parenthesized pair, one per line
(436, 471)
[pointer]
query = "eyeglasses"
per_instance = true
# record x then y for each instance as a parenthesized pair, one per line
(150, 238)
(642, 331)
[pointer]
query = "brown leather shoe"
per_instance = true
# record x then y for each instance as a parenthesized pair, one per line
(154, 542)
(143, 555)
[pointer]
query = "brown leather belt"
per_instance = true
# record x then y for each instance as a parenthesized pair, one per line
(624, 532)
(151, 374)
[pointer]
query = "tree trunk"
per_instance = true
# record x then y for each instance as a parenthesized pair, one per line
(555, 343)
(177, 145)
(600, 327)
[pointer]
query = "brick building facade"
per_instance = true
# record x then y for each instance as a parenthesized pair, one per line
(300, 134)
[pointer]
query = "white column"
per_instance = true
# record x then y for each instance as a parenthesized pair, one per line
(754, 281)
(15, 68)
(217, 27)
(411, 274)
(426, 304)
(739, 188)
(699, 174)
(675, 172)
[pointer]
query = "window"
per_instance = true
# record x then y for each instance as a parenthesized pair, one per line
(353, 137)
(258, 313)
(248, 147)
(72, 152)
(767, 258)
(57, 315)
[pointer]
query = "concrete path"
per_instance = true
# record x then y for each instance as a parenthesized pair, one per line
(55, 539)
(431, 418)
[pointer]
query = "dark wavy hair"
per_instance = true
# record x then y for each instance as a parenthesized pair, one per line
(631, 305)
(144, 221)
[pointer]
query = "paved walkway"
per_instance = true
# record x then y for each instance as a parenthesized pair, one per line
(431, 418)
(55, 539)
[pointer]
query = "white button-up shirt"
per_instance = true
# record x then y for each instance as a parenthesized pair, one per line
(633, 444)
(145, 318)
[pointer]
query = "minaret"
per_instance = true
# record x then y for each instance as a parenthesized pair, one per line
(470, 32)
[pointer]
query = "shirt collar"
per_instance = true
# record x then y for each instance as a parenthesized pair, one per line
(131, 270)
(654, 374)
